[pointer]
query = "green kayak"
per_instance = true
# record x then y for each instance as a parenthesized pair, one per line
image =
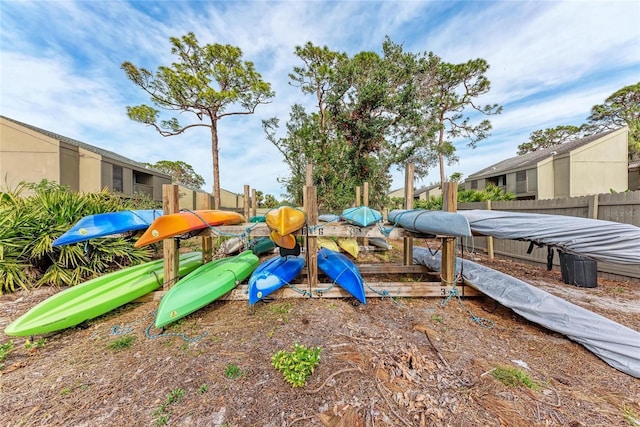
(205, 285)
(95, 297)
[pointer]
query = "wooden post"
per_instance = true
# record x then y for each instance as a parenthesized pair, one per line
(254, 203)
(170, 204)
(365, 202)
(204, 202)
(408, 204)
(358, 196)
(449, 204)
(246, 202)
(312, 241)
(489, 238)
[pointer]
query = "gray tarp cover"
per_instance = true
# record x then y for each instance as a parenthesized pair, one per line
(614, 343)
(599, 240)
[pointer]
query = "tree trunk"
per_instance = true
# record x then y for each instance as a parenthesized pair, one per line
(216, 165)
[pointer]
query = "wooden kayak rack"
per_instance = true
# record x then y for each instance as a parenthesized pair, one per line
(438, 285)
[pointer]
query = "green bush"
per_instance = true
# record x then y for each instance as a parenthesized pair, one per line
(297, 365)
(32, 216)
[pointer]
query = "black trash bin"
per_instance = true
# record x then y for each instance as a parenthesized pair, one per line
(578, 270)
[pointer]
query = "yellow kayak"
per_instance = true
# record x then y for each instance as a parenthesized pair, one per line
(349, 245)
(288, 241)
(329, 243)
(285, 220)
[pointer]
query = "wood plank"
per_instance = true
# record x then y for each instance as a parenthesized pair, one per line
(374, 290)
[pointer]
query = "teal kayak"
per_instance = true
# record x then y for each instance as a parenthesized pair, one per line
(205, 285)
(362, 216)
(95, 297)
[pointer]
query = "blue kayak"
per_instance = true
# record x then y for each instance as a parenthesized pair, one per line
(431, 222)
(343, 272)
(273, 274)
(362, 216)
(108, 224)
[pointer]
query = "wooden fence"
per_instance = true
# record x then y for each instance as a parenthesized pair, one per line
(618, 207)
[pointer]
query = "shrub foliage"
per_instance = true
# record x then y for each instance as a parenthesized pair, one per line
(32, 216)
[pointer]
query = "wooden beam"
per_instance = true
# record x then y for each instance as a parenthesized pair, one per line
(312, 240)
(204, 202)
(393, 289)
(408, 204)
(170, 204)
(489, 238)
(246, 202)
(449, 204)
(254, 203)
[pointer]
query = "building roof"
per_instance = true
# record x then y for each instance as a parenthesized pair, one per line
(426, 189)
(88, 147)
(530, 159)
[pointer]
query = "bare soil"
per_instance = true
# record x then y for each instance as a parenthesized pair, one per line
(403, 362)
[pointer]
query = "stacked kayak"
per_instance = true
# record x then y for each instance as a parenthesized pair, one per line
(283, 222)
(176, 224)
(342, 272)
(362, 216)
(431, 222)
(108, 224)
(272, 275)
(95, 297)
(261, 245)
(203, 286)
(349, 245)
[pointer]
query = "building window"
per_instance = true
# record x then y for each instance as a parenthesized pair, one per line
(474, 184)
(521, 176)
(117, 179)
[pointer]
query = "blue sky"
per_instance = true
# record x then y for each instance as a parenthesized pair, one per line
(550, 62)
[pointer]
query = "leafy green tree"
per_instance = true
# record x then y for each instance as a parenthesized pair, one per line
(451, 92)
(620, 109)
(210, 81)
(180, 172)
(366, 111)
(545, 138)
(270, 201)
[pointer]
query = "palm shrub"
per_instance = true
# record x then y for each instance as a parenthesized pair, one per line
(32, 216)
(490, 192)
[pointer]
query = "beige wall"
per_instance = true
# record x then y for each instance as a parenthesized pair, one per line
(600, 166)
(26, 155)
(545, 180)
(561, 176)
(231, 200)
(89, 168)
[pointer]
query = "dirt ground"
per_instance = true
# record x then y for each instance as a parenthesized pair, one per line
(403, 362)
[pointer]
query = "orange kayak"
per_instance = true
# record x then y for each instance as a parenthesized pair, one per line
(288, 241)
(285, 220)
(167, 226)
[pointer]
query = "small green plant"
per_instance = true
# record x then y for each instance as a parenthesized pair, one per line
(297, 365)
(163, 414)
(631, 416)
(232, 371)
(281, 308)
(513, 377)
(121, 343)
(203, 389)
(436, 318)
(37, 344)
(175, 396)
(5, 349)
(65, 391)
